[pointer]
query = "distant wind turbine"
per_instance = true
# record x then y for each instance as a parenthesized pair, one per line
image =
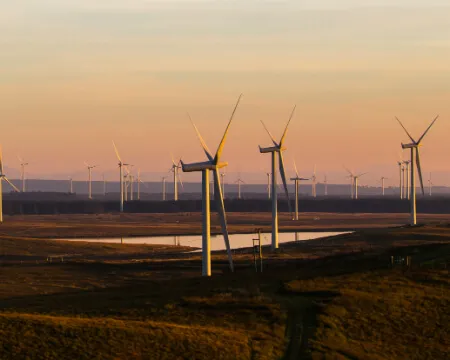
(22, 172)
(314, 183)
(163, 180)
(212, 164)
(70, 185)
(296, 179)
(90, 167)
(400, 169)
(239, 182)
(430, 185)
(325, 183)
(382, 184)
(121, 165)
(176, 177)
(3, 177)
(406, 179)
(277, 148)
(415, 160)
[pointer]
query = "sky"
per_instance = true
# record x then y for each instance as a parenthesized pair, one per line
(75, 75)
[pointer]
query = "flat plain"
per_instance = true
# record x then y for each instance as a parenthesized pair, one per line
(334, 298)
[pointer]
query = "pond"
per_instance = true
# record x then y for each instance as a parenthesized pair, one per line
(236, 240)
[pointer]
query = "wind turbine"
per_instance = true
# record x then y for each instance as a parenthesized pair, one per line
(104, 185)
(400, 169)
(163, 179)
(314, 182)
(239, 182)
(22, 172)
(90, 167)
(222, 177)
(382, 184)
(430, 185)
(296, 179)
(175, 169)
(356, 180)
(273, 150)
(325, 183)
(70, 185)
(139, 182)
(415, 158)
(352, 182)
(406, 180)
(3, 177)
(212, 164)
(121, 165)
(268, 184)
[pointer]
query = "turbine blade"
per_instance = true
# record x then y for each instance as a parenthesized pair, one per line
(117, 152)
(12, 185)
(361, 174)
(222, 216)
(271, 137)
(283, 177)
(428, 128)
(295, 167)
(202, 142)
(181, 181)
(20, 159)
(351, 174)
(222, 143)
(85, 163)
(287, 125)
(407, 133)
(419, 170)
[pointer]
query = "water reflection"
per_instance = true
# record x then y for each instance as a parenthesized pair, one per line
(217, 243)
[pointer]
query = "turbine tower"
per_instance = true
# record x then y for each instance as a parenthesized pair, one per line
(90, 167)
(296, 180)
(104, 184)
(212, 164)
(3, 177)
(325, 183)
(415, 158)
(22, 172)
(121, 165)
(273, 150)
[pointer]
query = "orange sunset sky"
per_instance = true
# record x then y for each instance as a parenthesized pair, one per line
(74, 75)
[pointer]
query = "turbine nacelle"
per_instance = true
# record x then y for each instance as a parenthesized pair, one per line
(200, 166)
(410, 146)
(271, 149)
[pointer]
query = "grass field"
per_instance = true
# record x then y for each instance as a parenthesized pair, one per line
(334, 298)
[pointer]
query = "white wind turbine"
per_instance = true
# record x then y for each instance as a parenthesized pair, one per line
(325, 183)
(70, 185)
(355, 181)
(273, 150)
(90, 167)
(400, 169)
(139, 182)
(406, 180)
(163, 180)
(268, 184)
(382, 184)
(175, 168)
(314, 183)
(22, 172)
(212, 164)
(296, 179)
(121, 165)
(239, 182)
(430, 185)
(3, 177)
(415, 159)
